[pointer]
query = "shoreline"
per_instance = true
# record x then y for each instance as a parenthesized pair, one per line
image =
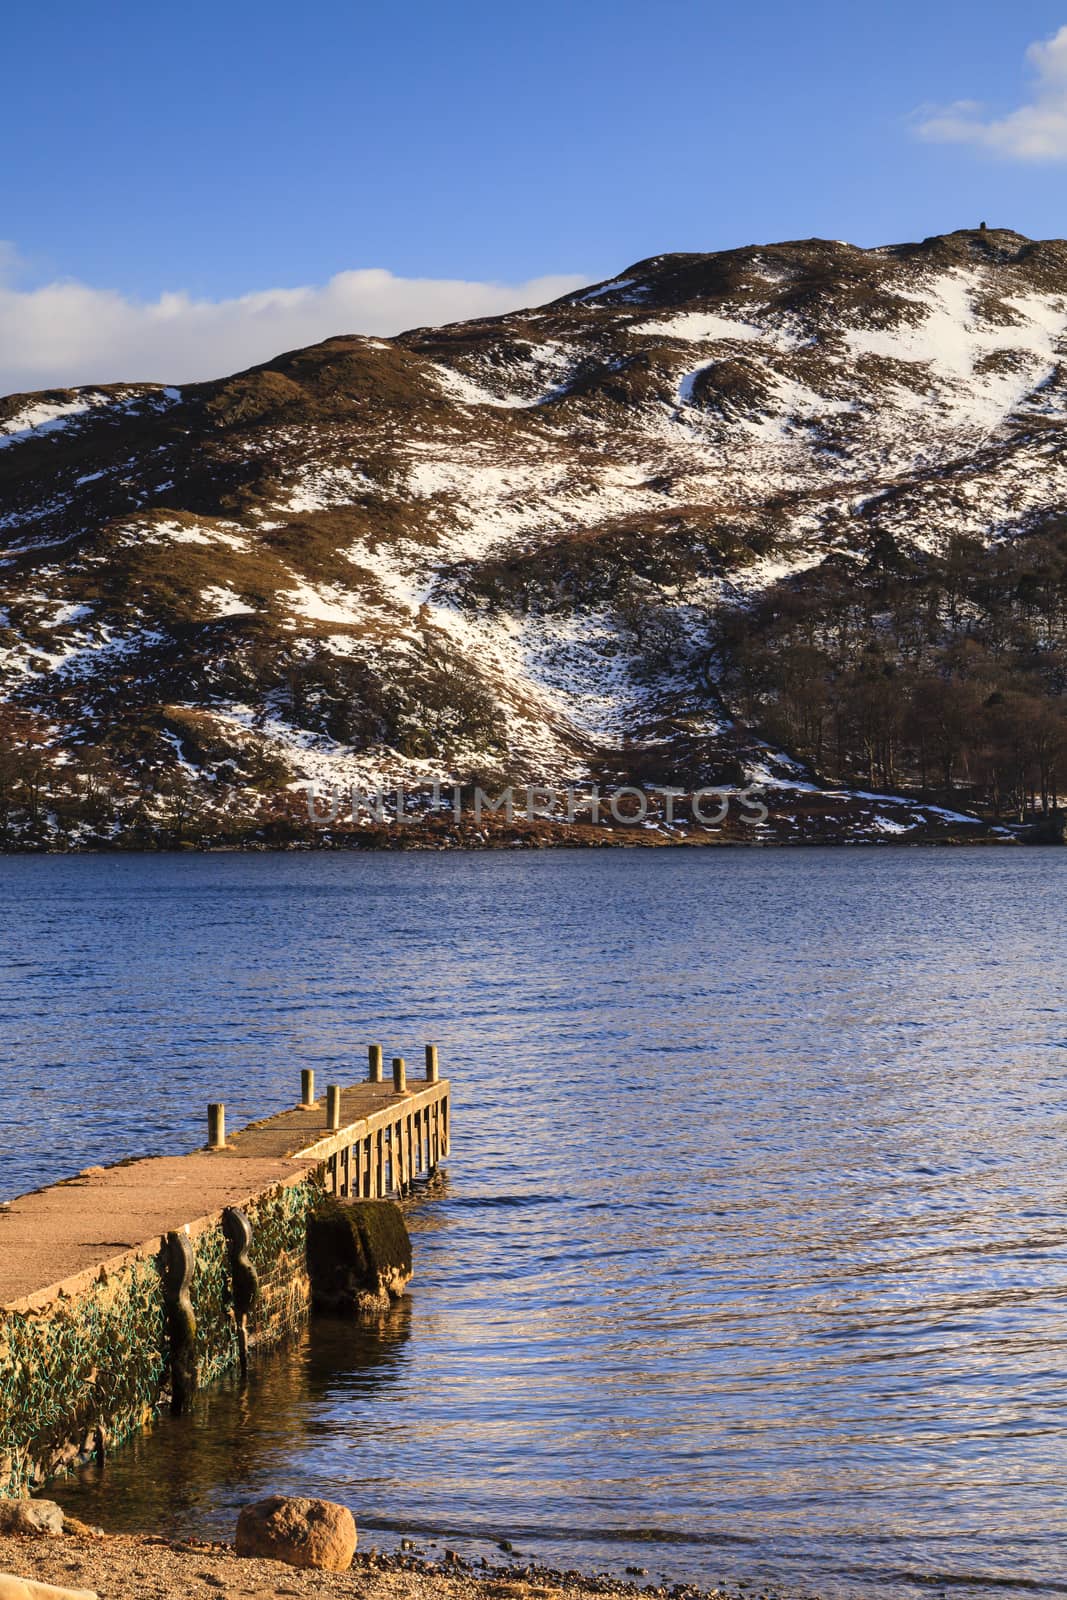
(139, 1566)
(808, 819)
(405, 845)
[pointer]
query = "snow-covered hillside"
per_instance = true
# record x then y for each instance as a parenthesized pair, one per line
(504, 550)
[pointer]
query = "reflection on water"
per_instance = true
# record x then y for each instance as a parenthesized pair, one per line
(243, 1434)
(753, 1259)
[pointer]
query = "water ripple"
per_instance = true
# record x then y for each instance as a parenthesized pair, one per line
(752, 1262)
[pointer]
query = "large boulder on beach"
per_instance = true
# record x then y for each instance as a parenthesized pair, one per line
(31, 1516)
(358, 1255)
(302, 1533)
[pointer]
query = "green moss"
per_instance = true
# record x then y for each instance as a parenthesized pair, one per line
(216, 1336)
(279, 1254)
(100, 1360)
(79, 1364)
(356, 1249)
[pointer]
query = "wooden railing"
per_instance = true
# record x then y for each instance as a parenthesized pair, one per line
(372, 1139)
(383, 1151)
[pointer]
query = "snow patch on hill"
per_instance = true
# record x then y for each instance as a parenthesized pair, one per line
(223, 602)
(705, 327)
(45, 416)
(955, 343)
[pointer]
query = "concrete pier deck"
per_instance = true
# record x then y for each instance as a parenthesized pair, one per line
(56, 1241)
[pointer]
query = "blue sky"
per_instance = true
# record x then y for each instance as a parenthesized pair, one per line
(211, 151)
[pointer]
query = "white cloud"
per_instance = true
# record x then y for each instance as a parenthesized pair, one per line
(67, 333)
(1036, 131)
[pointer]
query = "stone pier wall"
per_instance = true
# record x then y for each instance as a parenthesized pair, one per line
(82, 1372)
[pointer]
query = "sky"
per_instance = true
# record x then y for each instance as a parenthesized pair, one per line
(190, 187)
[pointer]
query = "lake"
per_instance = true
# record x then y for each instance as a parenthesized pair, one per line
(751, 1260)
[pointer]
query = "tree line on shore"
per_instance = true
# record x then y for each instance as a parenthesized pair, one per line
(939, 672)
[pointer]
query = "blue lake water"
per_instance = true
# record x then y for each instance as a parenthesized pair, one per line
(751, 1263)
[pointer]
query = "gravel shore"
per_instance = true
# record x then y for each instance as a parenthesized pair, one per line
(143, 1567)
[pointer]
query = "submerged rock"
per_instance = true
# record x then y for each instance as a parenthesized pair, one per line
(359, 1255)
(302, 1533)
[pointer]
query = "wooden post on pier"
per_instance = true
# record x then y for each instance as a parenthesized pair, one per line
(372, 1140)
(216, 1126)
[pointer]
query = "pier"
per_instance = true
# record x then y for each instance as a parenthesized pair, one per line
(373, 1139)
(100, 1273)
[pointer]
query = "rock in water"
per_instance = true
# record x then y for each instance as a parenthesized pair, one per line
(30, 1516)
(359, 1255)
(12, 1588)
(302, 1533)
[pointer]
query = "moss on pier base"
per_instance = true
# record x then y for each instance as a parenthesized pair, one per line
(359, 1255)
(80, 1375)
(87, 1370)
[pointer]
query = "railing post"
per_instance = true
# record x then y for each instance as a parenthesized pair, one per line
(307, 1087)
(216, 1126)
(333, 1108)
(431, 1063)
(400, 1077)
(374, 1063)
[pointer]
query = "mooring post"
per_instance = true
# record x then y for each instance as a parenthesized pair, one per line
(307, 1087)
(333, 1107)
(400, 1075)
(177, 1268)
(431, 1063)
(244, 1279)
(216, 1126)
(374, 1060)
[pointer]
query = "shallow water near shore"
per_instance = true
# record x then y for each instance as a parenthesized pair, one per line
(751, 1259)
